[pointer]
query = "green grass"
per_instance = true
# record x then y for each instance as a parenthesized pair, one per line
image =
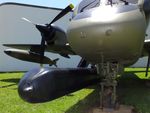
(132, 91)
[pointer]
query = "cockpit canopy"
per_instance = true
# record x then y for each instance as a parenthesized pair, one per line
(85, 5)
(89, 4)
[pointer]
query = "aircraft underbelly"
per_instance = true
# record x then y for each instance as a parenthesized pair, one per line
(118, 38)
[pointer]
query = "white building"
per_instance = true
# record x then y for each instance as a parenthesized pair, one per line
(13, 30)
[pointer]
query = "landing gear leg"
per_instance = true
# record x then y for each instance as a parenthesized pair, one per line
(108, 96)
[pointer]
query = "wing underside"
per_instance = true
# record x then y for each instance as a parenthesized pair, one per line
(31, 52)
(58, 49)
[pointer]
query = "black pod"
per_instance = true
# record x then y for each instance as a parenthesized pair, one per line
(46, 84)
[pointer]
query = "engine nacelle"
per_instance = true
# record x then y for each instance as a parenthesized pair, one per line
(45, 84)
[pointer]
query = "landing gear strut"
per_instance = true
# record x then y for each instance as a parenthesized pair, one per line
(108, 96)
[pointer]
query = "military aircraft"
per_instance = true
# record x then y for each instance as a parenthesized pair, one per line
(108, 34)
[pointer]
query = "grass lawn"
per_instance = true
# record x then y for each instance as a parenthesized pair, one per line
(132, 91)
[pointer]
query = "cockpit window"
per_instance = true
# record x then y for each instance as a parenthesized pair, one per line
(87, 4)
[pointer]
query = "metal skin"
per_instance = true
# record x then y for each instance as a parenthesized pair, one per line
(46, 84)
(112, 34)
(29, 56)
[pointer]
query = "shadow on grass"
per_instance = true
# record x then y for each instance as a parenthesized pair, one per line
(131, 90)
(143, 71)
(129, 79)
(14, 82)
(6, 86)
(83, 106)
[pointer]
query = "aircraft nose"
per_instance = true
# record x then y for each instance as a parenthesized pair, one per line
(28, 88)
(26, 91)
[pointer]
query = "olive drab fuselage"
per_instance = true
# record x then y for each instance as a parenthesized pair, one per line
(108, 33)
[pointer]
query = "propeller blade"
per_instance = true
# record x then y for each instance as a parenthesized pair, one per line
(147, 65)
(42, 48)
(61, 14)
(27, 20)
(48, 29)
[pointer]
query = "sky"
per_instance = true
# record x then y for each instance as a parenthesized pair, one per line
(48, 3)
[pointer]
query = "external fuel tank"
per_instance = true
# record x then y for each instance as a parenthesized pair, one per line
(46, 84)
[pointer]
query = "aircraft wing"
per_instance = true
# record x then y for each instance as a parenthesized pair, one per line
(58, 49)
